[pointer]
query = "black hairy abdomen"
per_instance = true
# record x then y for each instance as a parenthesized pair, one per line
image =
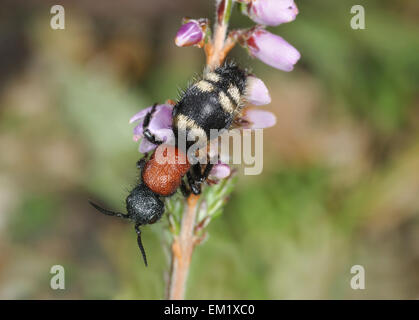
(205, 110)
(211, 103)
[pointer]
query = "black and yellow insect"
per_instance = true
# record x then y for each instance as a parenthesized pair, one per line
(211, 103)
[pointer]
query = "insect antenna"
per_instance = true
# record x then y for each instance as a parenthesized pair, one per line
(108, 212)
(140, 243)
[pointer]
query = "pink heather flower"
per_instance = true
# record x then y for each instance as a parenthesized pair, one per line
(189, 34)
(256, 92)
(258, 119)
(160, 125)
(272, 12)
(220, 170)
(272, 50)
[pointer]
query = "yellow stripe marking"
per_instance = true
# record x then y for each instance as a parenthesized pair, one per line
(225, 102)
(205, 86)
(212, 76)
(234, 93)
(184, 123)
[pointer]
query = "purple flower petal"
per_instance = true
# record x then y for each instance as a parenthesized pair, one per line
(138, 130)
(160, 125)
(256, 92)
(273, 12)
(220, 170)
(259, 119)
(189, 34)
(146, 146)
(139, 115)
(273, 50)
(161, 119)
(165, 135)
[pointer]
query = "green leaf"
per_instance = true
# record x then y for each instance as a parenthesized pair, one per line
(216, 196)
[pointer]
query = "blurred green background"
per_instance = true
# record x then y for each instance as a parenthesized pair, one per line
(340, 184)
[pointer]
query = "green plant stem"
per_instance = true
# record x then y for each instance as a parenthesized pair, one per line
(216, 50)
(183, 244)
(182, 249)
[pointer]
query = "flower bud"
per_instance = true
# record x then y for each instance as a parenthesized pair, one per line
(256, 92)
(189, 34)
(258, 119)
(272, 12)
(272, 50)
(220, 170)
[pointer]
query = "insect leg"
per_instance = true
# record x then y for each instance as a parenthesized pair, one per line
(141, 163)
(195, 187)
(185, 190)
(199, 175)
(146, 132)
(206, 172)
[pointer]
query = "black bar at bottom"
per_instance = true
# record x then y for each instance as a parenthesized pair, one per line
(207, 309)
